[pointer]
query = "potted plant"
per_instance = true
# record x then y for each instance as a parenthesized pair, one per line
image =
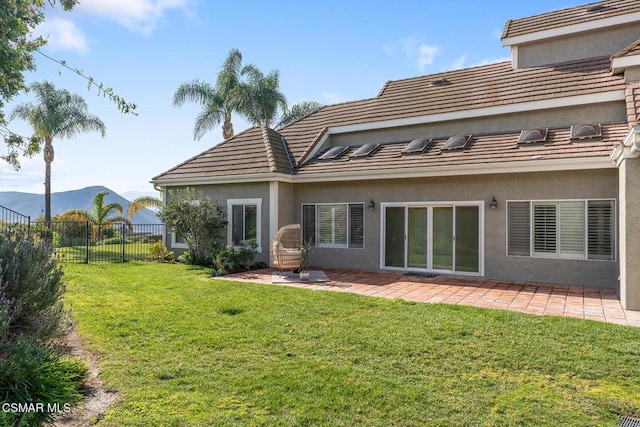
(305, 250)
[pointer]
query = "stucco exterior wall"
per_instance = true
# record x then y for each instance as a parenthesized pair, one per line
(630, 234)
(604, 42)
(526, 186)
(559, 117)
(219, 194)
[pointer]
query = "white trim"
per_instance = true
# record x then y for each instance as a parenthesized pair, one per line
(176, 245)
(347, 205)
(225, 179)
(430, 205)
(572, 29)
(274, 198)
(569, 101)
(630, 148)
(316, 148)
(245, 202)
(459, 170)
(514, 57)
(619, 64)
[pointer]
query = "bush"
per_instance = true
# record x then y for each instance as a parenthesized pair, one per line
(231, 259)
(196, 218)
(31, 315)
(159, 252)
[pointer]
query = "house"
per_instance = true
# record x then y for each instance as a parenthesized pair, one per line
(524, 170)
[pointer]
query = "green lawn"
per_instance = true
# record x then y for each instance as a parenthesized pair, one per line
(184, 349)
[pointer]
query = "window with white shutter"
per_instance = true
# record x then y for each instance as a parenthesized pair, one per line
(334, 225)
(572, 229)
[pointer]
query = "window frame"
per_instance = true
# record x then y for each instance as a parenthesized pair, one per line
(347, 206)
(244, 203)
(558, 254)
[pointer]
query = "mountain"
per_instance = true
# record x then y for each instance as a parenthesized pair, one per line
(33, 204)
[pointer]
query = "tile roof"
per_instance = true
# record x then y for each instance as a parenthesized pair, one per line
(569, 16)
(631, 50)
(245, 153)
(490, 85)
(633, 103)
(483, 149)
(257, 151)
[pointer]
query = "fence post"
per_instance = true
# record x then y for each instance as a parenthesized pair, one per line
(123, 240)
(86, 234)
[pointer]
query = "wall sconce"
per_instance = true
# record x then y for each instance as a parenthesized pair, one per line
(493, 203)
(372, 205)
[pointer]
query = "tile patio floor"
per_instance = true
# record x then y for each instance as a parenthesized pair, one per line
(552, 300)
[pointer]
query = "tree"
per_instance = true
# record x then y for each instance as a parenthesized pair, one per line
(58, 114)
(298, 111)
(143, 202)
(217, 102)
(259, 98)
(196, 218)
(102, 213)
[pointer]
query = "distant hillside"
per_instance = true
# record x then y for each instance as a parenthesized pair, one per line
(33, 204)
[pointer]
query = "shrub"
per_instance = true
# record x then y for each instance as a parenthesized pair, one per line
(159, 252)
(232, 259)
(196, 218)
(31, 313)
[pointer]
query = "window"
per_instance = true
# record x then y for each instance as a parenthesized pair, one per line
(339, 225)
(244, 216)
(575, 229)
(178, 241)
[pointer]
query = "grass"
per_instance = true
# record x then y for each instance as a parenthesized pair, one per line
(183, 349)
(132, 251)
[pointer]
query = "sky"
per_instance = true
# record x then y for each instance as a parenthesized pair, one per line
(329, 51)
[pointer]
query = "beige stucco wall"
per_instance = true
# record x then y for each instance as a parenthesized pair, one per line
(559, 117)
(604, 42)
(219, 194)
(630, 234)
(632, 74)
(526, 186)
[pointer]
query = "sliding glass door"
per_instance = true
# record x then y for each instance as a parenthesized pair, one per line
(433, 237)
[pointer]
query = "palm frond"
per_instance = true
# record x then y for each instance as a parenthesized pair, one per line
(298, 111)
(141, 203)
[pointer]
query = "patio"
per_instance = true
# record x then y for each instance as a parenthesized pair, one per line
(534, 298)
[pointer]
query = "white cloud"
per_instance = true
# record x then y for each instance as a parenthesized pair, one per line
(459, 63)
(426, 55)
(138, 15)
(422, 53)
(62, 34)
(493, 60)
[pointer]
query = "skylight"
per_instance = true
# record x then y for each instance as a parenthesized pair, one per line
(365, 150)
(586, 131)
(333, 153)
(529, 136)
(458, 142)
(418, 145)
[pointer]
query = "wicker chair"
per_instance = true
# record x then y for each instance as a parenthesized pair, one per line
(285, 248)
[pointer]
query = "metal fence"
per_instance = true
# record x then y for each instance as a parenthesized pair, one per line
(84, 242)
(13, 221)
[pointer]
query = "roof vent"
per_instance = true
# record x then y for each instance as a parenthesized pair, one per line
(365, 150)
(458, 142)
(529, 136)
(440, 82)
(595, 7)
(416, 146)
(586, 131)
(333, 153)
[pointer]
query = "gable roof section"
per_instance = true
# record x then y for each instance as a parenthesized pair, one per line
(494, 85)
(277, 151)
(488, 149)
(243, 154)
(610, 12)
(627, 57)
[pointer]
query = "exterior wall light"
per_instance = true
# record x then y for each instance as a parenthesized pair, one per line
(493, 203)
(372, 205)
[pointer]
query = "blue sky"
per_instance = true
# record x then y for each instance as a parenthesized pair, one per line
(329, 51)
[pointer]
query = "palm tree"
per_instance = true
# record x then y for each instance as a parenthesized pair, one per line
(143, 202)
(217, 102)
(298, 111)
(259, 98)
(60, 114)
(102, 214)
